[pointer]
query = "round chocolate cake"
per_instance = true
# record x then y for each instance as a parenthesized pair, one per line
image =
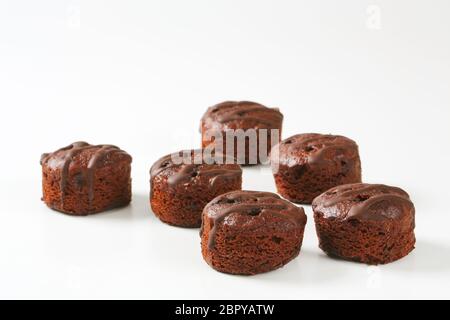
(249, 232)
(181, 189)
(373, 224)
(306, 165)
(259, 126)
(83, 179)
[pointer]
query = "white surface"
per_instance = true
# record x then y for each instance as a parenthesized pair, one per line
(140, 74)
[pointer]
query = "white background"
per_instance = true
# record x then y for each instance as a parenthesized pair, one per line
(140, 74)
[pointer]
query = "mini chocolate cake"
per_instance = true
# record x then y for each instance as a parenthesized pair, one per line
(249, 232)
(372, 224)
(180, 191)
(306, 165)
(227, 117)
(83, 179)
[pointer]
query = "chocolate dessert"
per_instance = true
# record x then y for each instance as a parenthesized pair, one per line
(259, 126)
(368, 223)
(306, 165)
(83, 179)
(180, 190)
(249, 232)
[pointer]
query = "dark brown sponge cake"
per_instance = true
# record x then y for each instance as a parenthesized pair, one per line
(83, 179)
(235, 115)
(306, 165)
(180, 191)
(372, 224)
(249, 232)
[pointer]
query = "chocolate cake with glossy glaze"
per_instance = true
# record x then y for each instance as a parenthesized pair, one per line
(250, 232)
(230, 116)
(83, 179)
(180, 190)
(306, 165)
(372, 224)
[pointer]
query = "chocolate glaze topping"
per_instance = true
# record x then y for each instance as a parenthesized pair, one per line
(62, 159)
(314, 149)
(362, 201)
(251, 203)
(230, 111)
(198, 166)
